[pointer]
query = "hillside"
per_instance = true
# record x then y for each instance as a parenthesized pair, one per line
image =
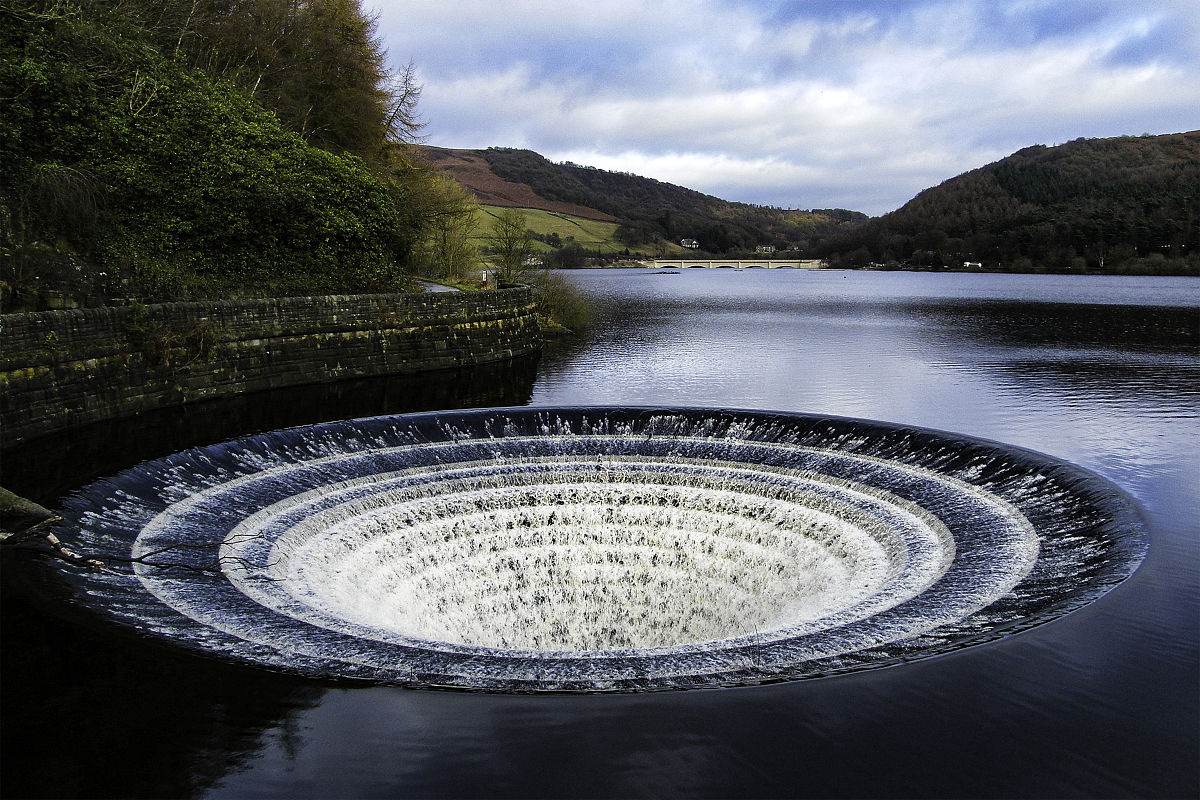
(1125, 204)
(472, 170)
(650, 215)
(553, 229)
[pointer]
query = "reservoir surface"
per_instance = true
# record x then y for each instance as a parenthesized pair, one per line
(1102, 372)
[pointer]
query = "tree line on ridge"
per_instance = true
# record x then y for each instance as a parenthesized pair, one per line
(1128, 204)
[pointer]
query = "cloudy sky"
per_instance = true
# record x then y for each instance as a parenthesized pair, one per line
(802, 104)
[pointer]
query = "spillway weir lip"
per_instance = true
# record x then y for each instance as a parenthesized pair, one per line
(597, 549)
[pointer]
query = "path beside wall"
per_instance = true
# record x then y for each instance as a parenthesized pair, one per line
(63, 369)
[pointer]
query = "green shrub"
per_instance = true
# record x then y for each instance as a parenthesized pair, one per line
(558, 301)
(187, 188)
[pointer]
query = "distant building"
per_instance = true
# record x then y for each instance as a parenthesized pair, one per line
(765, 248)
(692, 243)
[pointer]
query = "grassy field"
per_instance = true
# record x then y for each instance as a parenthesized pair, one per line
(591, 234)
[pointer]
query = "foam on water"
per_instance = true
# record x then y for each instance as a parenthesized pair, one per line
(599, 549)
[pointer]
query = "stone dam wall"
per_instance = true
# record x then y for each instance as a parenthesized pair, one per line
(64, 369)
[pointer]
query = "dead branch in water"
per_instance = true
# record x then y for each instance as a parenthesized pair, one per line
(23, 521)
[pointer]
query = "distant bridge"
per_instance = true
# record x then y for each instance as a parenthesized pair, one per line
(688, 263)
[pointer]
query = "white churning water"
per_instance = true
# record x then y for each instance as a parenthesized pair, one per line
(599, 549)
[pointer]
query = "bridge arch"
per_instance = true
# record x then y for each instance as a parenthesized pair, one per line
(719, 263)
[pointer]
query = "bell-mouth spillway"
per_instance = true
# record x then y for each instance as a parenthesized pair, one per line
(597, 549)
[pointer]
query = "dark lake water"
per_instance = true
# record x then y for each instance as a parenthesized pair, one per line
(1103, 372)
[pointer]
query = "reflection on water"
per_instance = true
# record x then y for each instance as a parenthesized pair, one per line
(909, 348)
(95, 712)
(1104, 702)
(1141, 358)
(90, 713)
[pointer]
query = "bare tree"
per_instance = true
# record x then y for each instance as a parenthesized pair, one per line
(447, 249)
(403, 123)
(511, 243)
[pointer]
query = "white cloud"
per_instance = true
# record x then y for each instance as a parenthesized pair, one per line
(854, 104)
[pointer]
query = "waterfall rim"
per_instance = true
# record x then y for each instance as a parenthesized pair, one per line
(916, 578)
(1120, 545)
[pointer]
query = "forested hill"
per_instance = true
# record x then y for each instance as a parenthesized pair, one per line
(1125, 204)
(648, 211)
